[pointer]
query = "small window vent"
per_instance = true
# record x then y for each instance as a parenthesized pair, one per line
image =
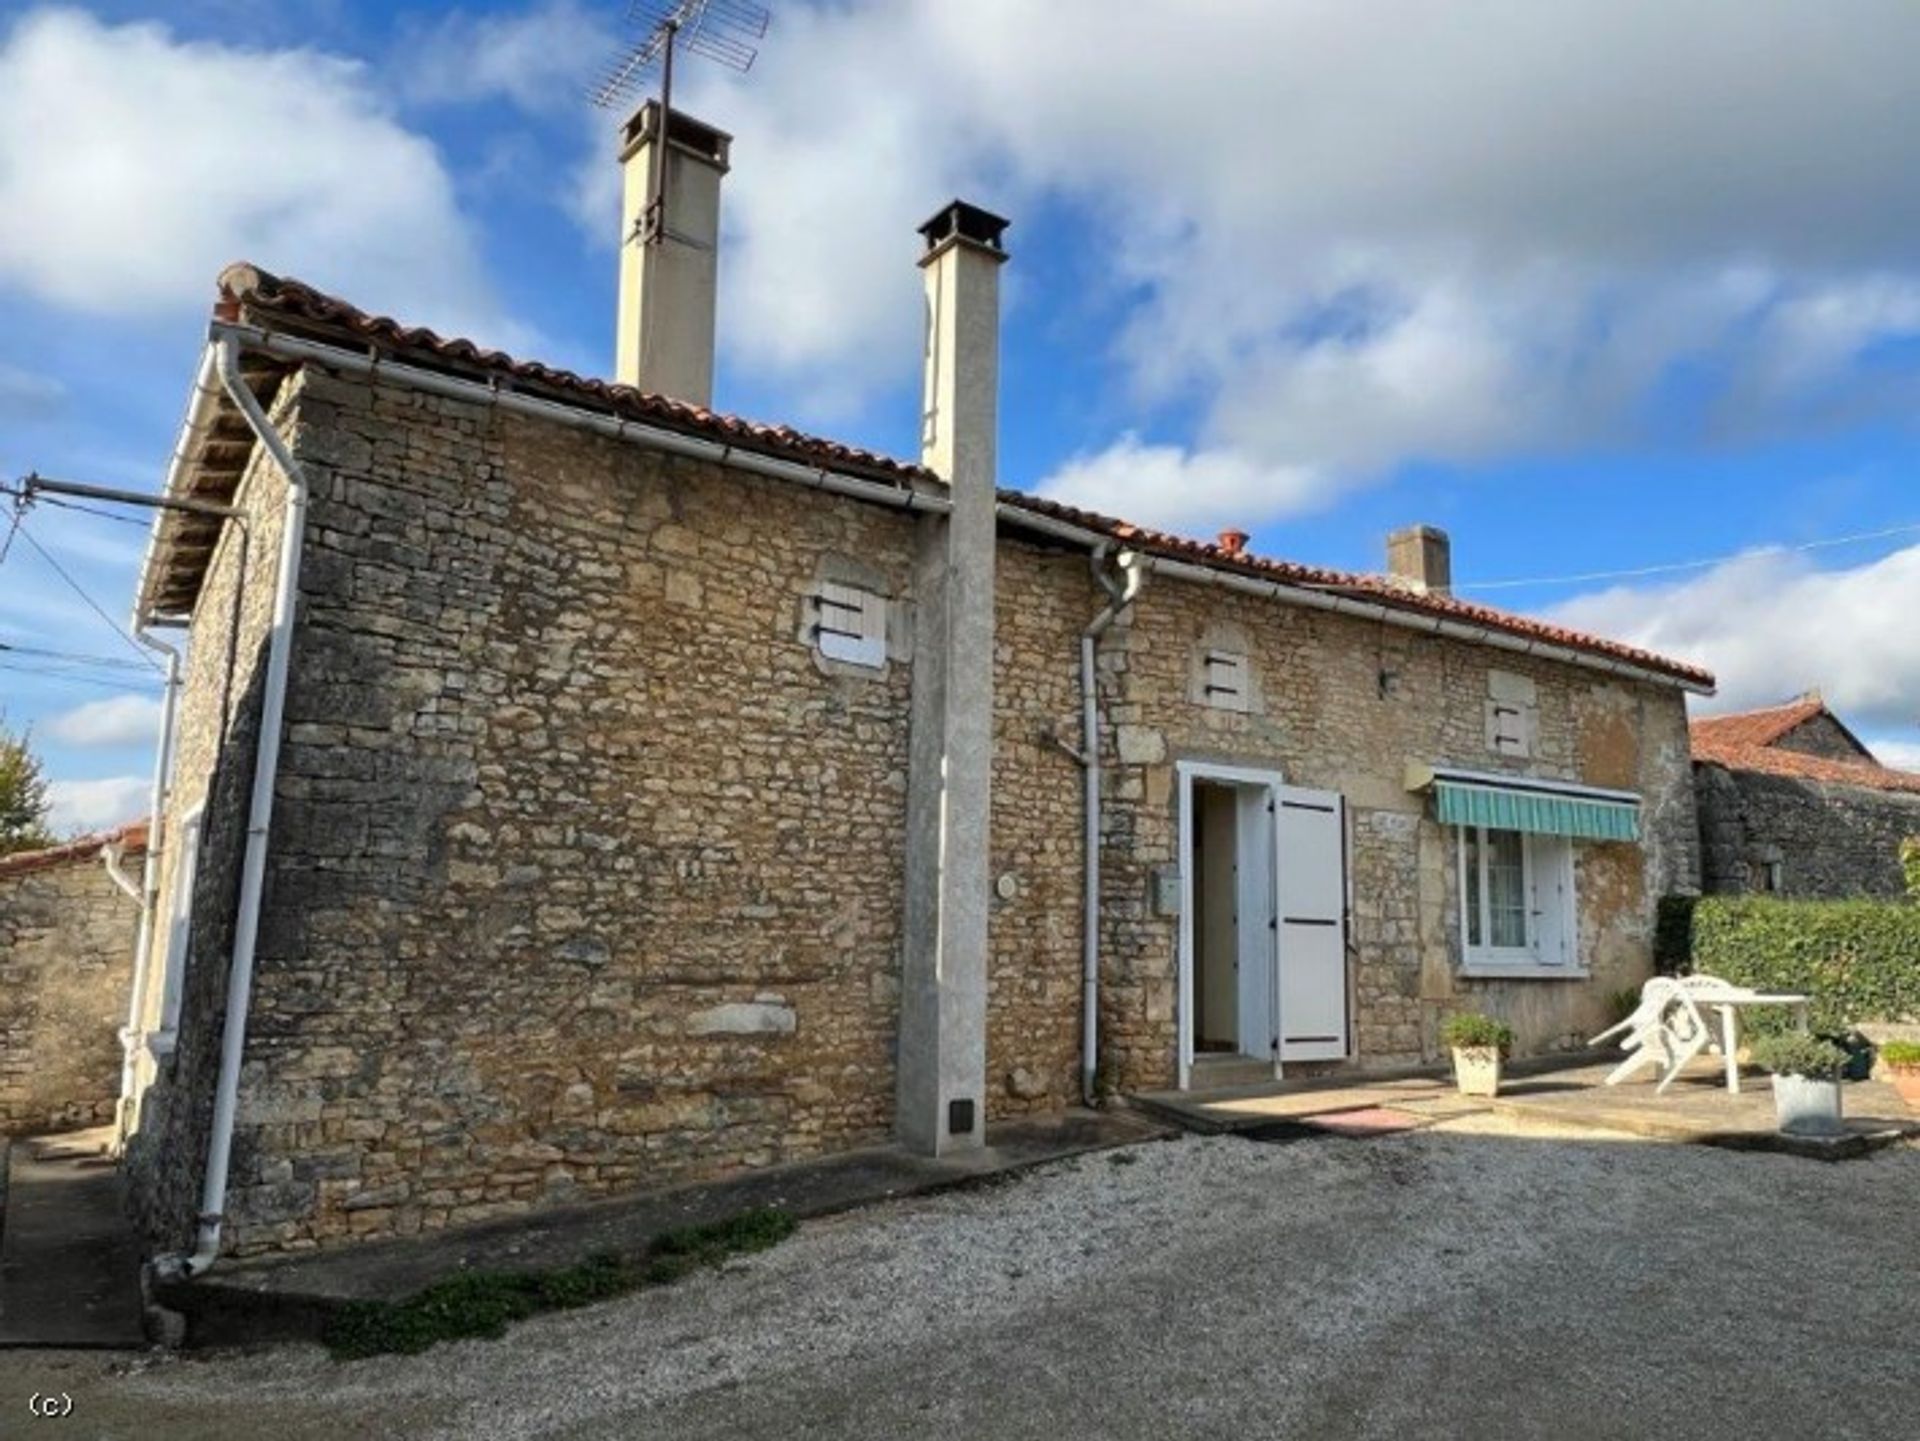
(1224, 683)
(850, 624)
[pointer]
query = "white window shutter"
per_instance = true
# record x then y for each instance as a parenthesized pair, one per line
(850, 624)
(1310, 860)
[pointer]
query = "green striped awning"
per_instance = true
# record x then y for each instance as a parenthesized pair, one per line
(1546, 813)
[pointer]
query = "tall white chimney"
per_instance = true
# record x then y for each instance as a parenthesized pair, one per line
(669, 254)
(942, 1061)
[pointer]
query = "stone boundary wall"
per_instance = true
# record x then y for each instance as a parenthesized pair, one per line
(1830, 841)
(66, 958)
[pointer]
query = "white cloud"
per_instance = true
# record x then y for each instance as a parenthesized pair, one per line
(133, 165)
(1172, 488)
(97, 804)
(1771, 626)
(538, 59)
(121, 720)
(1901, 755)
(1346, 237)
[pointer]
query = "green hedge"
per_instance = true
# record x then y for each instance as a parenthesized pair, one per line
(1859, 960)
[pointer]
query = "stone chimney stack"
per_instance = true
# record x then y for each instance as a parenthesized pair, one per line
(942, 1058)
(1420, 557)
(669, 260)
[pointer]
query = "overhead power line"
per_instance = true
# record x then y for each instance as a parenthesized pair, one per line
(133, 645)
(1682, 565)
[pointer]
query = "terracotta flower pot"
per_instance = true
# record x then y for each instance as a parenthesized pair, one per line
(1906, 1080)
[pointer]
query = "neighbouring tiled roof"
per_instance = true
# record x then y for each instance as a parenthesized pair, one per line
(133, 836)
(279, 303)
(1746, 741)
(1758, 727)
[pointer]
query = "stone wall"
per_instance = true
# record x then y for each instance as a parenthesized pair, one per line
(216, 740)
(1827, 840)
(586, 872)
(1344, 704)
(66, 957)
(586, 868)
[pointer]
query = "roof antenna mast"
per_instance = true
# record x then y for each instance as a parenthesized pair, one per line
(726, 31)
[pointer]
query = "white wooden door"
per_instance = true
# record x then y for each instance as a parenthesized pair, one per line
(1310, 865)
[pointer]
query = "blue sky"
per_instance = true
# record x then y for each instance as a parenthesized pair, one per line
(1597, 287)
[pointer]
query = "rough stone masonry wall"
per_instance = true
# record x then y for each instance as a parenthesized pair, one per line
(1343, 704)
(1044, 598)
(1829, 840)
(586, 873)
(66, 956)
(216, 735)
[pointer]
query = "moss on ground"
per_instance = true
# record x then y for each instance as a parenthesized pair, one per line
(484, 1303)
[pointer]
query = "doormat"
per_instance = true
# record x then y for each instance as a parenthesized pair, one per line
(1369, 1121)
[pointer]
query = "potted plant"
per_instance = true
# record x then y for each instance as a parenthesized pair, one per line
(1902, 1060)
(1479, 1045)
(1806, 1082)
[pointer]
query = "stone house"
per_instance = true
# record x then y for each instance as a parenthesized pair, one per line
(584, 790)
(1792, 803)
(67, 920)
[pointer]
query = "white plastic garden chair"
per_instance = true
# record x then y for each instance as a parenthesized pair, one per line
(1666, 1030)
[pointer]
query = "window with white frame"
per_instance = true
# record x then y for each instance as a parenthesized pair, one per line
(1517, 902)
(849, 624)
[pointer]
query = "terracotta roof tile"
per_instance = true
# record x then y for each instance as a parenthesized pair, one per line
(1798, 765)
(1758, 727)
(133, 836)
(1376, 588)
(268, 296)
(283, 303)
(1747, 741)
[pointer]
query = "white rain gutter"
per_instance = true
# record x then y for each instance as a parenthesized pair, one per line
(653, 437)
(1120, 594)
(132, 1035)
(203, 408)
(266, 769)
(1313, 599)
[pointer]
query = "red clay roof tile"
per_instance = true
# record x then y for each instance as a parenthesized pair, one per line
(279, 302)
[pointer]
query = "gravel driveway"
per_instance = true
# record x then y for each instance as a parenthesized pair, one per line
(1442, 1284)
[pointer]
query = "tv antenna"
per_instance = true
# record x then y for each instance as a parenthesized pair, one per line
(724, 31)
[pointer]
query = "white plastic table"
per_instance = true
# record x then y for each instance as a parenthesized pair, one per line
(1728, 1004)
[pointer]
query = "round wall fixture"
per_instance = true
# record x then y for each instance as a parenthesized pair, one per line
(1008, 886)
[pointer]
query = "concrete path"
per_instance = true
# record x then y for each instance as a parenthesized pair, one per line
(69, 1265)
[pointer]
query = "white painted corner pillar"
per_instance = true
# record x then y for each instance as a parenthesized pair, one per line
(942, 1059)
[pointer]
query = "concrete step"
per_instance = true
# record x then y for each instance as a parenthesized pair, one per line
(1213, 1072)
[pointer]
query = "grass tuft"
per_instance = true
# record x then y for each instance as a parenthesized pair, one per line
(484, 1303)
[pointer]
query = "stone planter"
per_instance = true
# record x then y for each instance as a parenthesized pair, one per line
(1906, 1080)
(1476, 1070)
(1805, 1106)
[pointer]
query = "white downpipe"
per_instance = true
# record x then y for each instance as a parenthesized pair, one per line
(132, 1035)
(266, 769)
(114, 853)
(1119, 596)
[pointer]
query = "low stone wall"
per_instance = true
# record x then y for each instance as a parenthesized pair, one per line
(66, 956)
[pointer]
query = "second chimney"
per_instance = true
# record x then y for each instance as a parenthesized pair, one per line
(1420, 557)
(669, 254)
